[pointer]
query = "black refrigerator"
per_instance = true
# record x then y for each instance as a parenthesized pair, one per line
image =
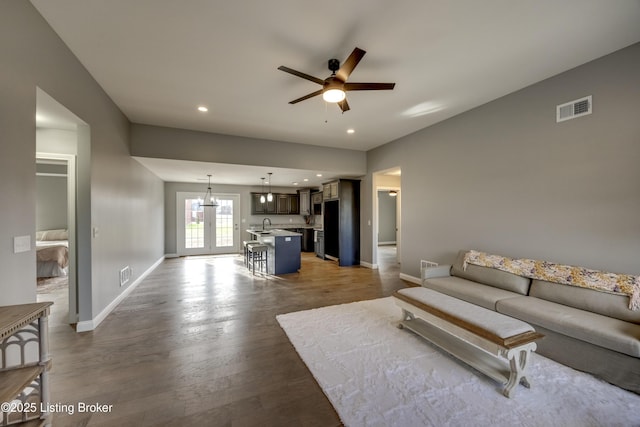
(342, 224)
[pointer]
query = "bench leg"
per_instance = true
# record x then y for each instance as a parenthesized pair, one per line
(406, 315)
(518, 358)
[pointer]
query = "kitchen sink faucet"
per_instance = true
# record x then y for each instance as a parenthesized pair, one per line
(263, 221)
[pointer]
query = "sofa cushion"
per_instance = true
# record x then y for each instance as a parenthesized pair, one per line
(470, 291)
(612, 305)
(490, 276)
(603, 331)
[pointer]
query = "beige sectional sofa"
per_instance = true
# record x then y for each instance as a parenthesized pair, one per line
(585, 329)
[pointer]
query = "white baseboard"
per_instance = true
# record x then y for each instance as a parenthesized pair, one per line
(411, 279)
(171, 256)
(90, 325)
(369, 265)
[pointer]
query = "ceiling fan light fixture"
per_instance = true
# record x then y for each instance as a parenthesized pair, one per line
(334, 95)
(335, 86)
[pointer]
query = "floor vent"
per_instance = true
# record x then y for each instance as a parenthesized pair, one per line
(125, 275)
(571, 110)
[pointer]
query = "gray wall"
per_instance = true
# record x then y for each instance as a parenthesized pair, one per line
(386, 217)
(59, 141)
(181, 144)
(506, 178)
(51, 202)
(118, 196)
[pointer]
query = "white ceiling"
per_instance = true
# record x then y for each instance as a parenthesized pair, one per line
(160, 59)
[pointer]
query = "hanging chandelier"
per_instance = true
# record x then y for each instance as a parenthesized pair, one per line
(208, 201)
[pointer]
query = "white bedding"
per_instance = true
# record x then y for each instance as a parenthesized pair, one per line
(51, 268)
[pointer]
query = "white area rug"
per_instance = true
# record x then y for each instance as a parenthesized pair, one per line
(375, 374)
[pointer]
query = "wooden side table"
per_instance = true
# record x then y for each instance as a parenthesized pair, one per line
(24, 372)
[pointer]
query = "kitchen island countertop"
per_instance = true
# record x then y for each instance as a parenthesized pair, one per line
(283, 250)
(273, 232)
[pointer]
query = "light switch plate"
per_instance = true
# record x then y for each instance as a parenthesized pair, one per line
(21, 244)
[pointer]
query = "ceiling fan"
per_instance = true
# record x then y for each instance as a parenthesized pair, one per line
(335, 86)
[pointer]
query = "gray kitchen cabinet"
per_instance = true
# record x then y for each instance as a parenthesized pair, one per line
(266, 208)
(330, 190)
(304, 197)
(319, 246)
(282, 204)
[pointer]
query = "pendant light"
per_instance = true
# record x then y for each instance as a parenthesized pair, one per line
(270, 194)
(262, 198)
(208, 201)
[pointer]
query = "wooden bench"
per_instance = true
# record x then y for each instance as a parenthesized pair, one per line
(493, 343)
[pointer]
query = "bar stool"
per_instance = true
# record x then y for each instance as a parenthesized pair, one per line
(258, 253)
(247, 259)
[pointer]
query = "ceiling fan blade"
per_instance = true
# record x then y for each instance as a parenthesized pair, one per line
(301, 74)
(311, 95)
(368, 86)
(344, 105)
(347, 66)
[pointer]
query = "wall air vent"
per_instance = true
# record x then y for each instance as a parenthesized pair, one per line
(125, 275)
(571, 110)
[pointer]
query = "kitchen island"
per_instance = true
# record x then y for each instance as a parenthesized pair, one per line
(283, 255)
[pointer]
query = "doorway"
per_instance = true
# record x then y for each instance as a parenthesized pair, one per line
(58, 136)
(387, 218)
(207, 230)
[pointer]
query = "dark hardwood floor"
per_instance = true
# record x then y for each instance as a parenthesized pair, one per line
(197, 344)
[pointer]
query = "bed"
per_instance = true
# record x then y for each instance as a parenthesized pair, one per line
(52, 253)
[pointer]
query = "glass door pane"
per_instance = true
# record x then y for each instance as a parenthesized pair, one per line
(193, 224)
(224, 223)
(226, 232)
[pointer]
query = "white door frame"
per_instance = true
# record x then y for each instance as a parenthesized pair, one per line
(210, 247)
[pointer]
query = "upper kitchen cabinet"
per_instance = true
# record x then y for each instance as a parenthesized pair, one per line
(294, 204)
(288, 204)
(316, 203)
(304, 197)
(258, 208)
(282, 204)
(330, 190)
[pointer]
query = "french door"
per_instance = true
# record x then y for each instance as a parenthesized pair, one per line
(207, 230)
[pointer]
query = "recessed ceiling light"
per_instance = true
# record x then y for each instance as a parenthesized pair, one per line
(318, 175)
(306, 180)
(350, 131)
(203, 109)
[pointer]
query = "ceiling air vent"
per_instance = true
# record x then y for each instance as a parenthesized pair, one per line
(573, 109)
